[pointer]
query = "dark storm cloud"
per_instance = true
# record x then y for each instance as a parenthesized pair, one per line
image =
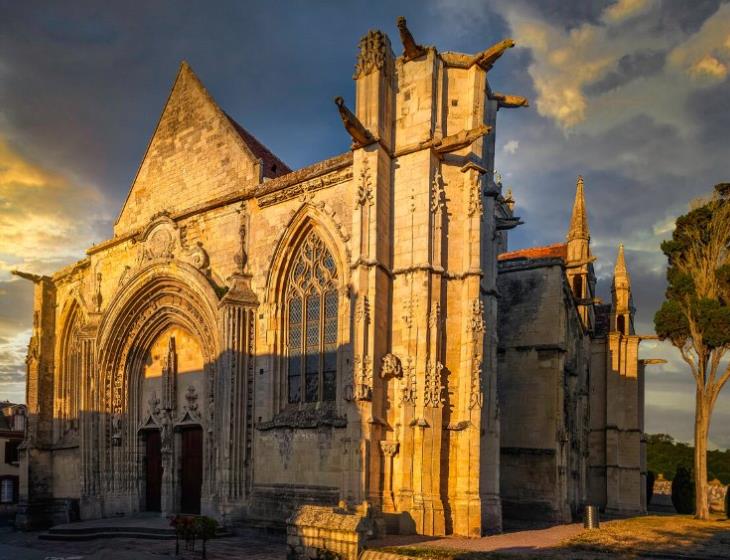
(16, 301)
(570, 13)
(630, 66)
(710, 109)
(99, 73)
(681, 16)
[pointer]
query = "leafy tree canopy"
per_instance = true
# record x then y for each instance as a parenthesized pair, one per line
(697, 301)
(664, 455)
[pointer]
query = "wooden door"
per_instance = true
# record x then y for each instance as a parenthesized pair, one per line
(191, 475)
(153, 460)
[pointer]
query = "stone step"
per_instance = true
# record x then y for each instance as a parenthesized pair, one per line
(89, 536)
(86, 533)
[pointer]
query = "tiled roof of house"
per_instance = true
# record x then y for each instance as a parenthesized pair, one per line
(558, 250)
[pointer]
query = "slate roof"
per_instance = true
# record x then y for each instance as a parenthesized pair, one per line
(273, 166)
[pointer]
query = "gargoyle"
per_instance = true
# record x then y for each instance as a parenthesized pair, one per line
(35, 278)
(461, 139)
(361, 136)
(508, 223)
(411, 49)
(510, 101)
(487, 58)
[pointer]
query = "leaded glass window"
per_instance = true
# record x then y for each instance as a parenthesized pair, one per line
(312, 324)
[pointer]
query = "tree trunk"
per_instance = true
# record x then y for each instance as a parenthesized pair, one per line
(702, 424)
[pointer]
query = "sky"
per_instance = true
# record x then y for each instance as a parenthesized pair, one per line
(631, 94)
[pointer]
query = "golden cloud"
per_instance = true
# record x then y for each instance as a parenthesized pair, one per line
(625, 9)
(705, 56)
(45, 218)
(566, 62)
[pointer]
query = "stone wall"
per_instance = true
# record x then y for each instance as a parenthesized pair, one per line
(543, 375)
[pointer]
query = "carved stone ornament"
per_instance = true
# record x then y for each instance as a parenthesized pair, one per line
(433, 390)
(375, 54)
(364, 373)
(166, 431)
(438, 194)
(477, 317)
(97, 299)
(362, 310)
(241, 258)
(162, 239)
(192, 397)
(390, 367)
(153, 404)
(310, 186)
(434, 317)
(476, 205)
(116, 429)
(408, 390)
(389, 448)
(475, 391)
(365, 188)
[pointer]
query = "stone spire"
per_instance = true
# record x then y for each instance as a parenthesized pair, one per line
(579, 219)
(623, 309)
(620, 268)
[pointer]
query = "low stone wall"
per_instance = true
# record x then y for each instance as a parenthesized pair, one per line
(326, 533)
(716, 491)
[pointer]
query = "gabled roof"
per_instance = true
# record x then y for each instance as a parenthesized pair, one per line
(557, 250)
(197, 152)
(273, 166)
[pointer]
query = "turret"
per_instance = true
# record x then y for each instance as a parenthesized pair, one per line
(622, 305)
(579, 259)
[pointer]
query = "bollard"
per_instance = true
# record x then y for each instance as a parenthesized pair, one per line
(590, 517)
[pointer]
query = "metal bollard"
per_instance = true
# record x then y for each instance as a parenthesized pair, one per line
(590, 518)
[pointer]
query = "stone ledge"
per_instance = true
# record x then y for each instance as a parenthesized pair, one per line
(306, 418)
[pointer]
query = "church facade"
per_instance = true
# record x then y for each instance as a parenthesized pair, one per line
(254, 338)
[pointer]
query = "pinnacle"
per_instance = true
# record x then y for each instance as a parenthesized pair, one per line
(620, 268)
(579, 219)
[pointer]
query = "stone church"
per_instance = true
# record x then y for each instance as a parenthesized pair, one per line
(254, 338)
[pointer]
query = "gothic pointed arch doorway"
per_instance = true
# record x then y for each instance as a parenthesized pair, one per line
(174, 379)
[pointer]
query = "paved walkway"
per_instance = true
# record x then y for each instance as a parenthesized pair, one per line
(16, 545)
(515, 542)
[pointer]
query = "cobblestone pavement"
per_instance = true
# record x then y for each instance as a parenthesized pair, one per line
(15, 545)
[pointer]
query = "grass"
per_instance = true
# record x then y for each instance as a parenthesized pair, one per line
(652, 536)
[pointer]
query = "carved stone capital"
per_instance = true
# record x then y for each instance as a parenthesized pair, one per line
(389, 448)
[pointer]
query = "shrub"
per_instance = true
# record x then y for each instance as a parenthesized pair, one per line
(683, 491)
(650, 478)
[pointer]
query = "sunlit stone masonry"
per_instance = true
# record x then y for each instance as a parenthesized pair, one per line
(253, 339)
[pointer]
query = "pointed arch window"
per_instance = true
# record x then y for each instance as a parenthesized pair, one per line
(311, 323)
(69, 381)
(578, 287)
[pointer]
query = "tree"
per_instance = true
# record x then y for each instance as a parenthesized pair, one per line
(683, 492)
(695, 316)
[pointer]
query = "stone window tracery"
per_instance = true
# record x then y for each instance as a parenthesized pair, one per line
(311, 324)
